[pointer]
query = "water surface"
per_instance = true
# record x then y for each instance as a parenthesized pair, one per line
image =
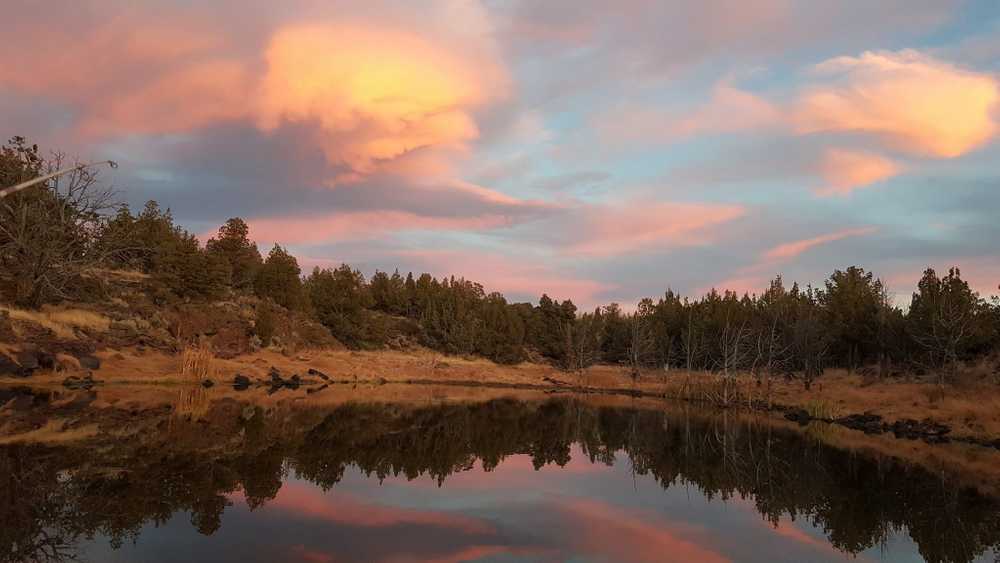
(543, 479)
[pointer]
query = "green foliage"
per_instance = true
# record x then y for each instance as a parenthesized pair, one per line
(279, 279)
(234, 247)
(340, 300)
(153, 244)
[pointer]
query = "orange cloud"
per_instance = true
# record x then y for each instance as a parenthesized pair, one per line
(792, 249)
(376, 93)
(626, 227)
(915, 103)
(846, 171)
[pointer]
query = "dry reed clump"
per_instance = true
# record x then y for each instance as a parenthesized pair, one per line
(821, 409)
(193, 403)
(62, 322)
(198, 363)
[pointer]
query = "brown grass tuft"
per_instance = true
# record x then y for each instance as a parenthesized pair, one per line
(62, 322)
(198, 363)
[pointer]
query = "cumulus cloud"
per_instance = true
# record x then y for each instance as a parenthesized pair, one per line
(913, 102)
(376, 94)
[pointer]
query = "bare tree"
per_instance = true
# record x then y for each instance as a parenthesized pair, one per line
(640, 347)
(47, 234)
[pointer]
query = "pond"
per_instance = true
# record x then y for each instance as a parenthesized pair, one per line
(228, 477)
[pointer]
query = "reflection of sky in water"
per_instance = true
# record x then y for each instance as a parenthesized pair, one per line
(581, 512)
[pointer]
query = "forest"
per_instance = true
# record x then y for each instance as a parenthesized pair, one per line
(55, 237)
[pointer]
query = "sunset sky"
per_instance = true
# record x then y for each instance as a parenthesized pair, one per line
(598, 151)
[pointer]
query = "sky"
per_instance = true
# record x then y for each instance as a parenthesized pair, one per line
(596, 151)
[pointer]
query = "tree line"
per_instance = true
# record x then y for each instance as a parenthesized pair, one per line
(53, 237)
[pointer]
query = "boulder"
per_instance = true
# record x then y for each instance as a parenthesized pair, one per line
(798, 415)
(319, 374)
(90, 362)
(28, 359)
(868, 423)
(10, 368)
(47, 361)
(207, 383)
(241, 382)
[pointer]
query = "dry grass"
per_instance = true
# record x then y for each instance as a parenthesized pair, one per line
(192, 403)
(53, 432)
(198, 363)
(62, 322)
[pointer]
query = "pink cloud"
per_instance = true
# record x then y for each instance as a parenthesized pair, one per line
(344, 508)
(624, 535)
(981, 272)
(302, 553)
(523, 276)
(610, 229)
(848, 170)
(341, 226)
(793, 249)
(729, 110)
(913, 102)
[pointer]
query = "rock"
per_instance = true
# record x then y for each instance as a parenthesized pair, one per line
(319, 374)
(47, 360)
(798, 415)
(90, 362)
(868, 423)
(74, 382)
(275, 376)
(923, 429)
(10, 368)
(28, 359)
(241, 382)
(381, 381)
(207, 383)
(312, 390)
(296, 379)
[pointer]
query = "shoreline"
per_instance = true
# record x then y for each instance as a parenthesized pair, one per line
(903, 409)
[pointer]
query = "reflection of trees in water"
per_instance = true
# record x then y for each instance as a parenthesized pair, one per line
(53, 497)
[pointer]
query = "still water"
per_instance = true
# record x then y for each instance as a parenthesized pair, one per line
(204, 478)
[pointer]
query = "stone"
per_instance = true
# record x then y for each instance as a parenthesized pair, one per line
(47, 360)
(90, 362)
(207, 383)
(319, 374)
(798, 415)
(241, 382)
(28, 359)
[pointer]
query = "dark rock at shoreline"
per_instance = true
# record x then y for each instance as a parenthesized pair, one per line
(916, 429)
(207, 383)
(9, 367)
(798, 415)
(312, 390)
(868, 423)
(241, 382)
(47, 360)
(74, 382)
(28, 360)
(90, 362)
(318, 374)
